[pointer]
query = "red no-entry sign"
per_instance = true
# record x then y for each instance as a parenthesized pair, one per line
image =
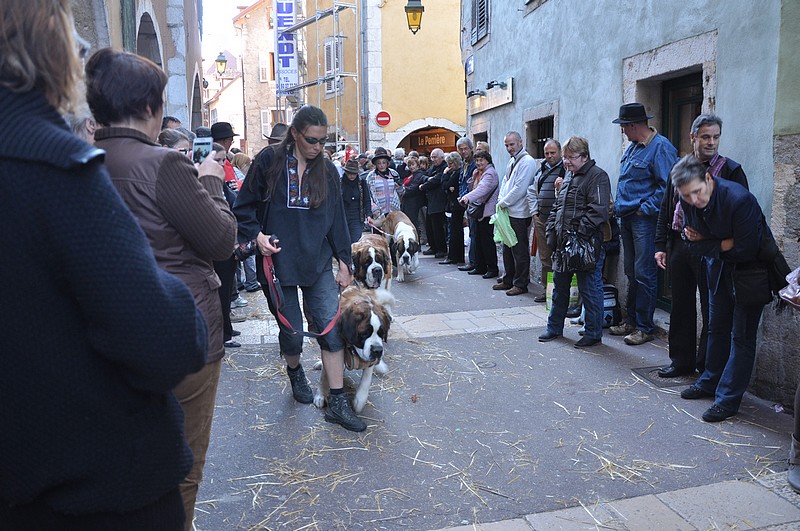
(383, 118)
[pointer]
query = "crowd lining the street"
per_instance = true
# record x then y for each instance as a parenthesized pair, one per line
(125, 377)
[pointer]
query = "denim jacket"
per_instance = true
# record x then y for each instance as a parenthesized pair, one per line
(643, 173)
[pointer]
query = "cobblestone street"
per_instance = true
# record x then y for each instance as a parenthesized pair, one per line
(476, 422)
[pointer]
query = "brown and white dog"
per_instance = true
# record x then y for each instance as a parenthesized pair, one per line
(372, 261)
(364, 326)
(401, 233)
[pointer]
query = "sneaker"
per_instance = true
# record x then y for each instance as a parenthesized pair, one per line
(237, 317)
(232, 344)
(540, 298)
(239, 302)
(622, 330)
(637, 337)
(501, 286)
(516, 290)
(717, 414)
(339, 412)
(301, 391)
(428, 252)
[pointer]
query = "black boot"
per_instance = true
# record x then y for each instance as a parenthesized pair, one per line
(339, 412)
(794, 465)
(301, 391)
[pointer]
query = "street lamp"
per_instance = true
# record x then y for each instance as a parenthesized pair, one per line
(221, 62)
(414, 11)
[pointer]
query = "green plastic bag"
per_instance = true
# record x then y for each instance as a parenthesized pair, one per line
(503, 233)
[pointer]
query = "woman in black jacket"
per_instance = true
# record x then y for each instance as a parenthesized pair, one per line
(355, 196)
(93, 437)
(413, 197)
(581, 208)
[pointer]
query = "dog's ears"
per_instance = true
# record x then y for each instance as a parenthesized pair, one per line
(413, 246)
(349, 328)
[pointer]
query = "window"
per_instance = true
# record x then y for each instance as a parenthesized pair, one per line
(266, 123)
(480, 20)
(538, 132)
(266, 66)
(333, 63)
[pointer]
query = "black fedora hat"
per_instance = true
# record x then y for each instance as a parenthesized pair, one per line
(221, 131)
(632, 113)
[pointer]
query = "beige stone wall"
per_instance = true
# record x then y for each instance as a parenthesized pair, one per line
(341, 106)
(257, 38)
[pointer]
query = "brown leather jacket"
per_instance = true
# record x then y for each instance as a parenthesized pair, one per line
(187, 220)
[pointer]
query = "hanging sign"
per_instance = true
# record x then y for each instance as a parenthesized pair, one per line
(286, 71)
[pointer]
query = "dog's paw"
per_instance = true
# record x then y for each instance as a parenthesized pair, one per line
(319, 400)
(381, 368)
(359, 402)
(317, 365)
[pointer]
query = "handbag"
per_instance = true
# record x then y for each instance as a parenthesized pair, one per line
(475, 210)
(577, 254)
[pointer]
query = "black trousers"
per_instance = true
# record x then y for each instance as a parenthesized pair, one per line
(456, 244)
(226, 270)
(437, 233)
(485, 248)
(687, 273)
(517, 259)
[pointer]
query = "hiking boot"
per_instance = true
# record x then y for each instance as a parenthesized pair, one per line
(637, 337)
(717, 414)
(622, 330)
(339, 412)
(301, 391)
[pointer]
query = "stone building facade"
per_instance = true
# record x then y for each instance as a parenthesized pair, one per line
(165, 31)
(556, 68)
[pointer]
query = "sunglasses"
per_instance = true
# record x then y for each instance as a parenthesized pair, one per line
(313, 141)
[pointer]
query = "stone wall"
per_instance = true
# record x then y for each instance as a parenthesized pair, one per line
(778, 358)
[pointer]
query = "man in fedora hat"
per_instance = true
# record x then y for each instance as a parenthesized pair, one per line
(277, 134)
(643, 175)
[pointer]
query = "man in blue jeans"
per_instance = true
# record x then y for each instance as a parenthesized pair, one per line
(644, 170)
(723, 223)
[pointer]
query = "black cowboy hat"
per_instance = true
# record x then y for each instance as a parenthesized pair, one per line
(631, 113)
(278, 132)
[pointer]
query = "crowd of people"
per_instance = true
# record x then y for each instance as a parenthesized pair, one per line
(147, 249)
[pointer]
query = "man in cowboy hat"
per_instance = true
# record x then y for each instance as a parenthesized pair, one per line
(277, 134)
(643, 175)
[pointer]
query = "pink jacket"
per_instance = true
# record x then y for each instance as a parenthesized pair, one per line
(487, 191)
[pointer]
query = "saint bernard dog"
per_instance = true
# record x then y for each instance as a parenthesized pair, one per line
(364, 325)
(372, 261)
(402, 237)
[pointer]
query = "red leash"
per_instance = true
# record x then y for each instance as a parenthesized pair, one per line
(276, 295)
(371, 224)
